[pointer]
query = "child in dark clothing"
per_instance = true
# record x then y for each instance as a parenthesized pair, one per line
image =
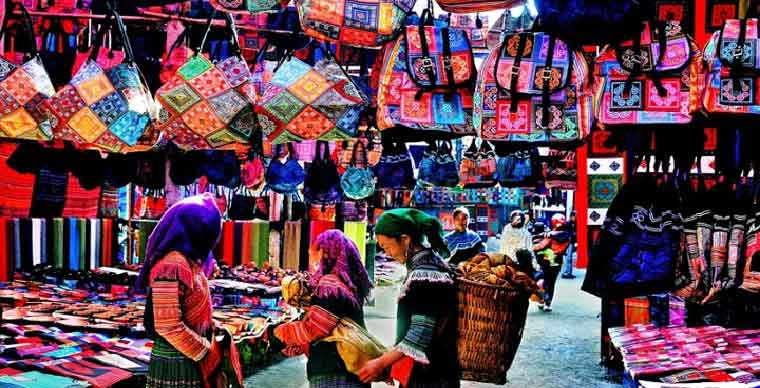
(550, 251)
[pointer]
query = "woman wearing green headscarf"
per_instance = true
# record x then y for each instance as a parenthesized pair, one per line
(425, 354)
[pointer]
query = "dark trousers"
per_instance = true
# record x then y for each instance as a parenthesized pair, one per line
(550, 281)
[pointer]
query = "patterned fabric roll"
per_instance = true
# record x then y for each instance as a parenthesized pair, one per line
(238, 248)
(106, 258)
(228, 237)
(357, 232)
(246, 248)
(94, 241)
(58, 226)
(261, 242)
(73, 244)
(5, 273)
(44, 239)
(36, 241)
(84, 258)
(26, 244)
(292, 245)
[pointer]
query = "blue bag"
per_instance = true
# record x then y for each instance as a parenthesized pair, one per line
(394, 170)
(284, 178)
(322, 182)
(358, 183)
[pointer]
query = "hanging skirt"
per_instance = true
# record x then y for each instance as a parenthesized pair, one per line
(171, 369)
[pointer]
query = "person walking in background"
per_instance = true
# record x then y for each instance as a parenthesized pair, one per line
(340, 286)
(463, 243)
(516, 236)
(178, 309)
(425, 354)
(550, 252)
(567, 265)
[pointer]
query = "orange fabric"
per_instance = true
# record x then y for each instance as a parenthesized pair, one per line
(401, 370)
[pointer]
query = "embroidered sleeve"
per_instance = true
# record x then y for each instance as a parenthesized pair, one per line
(418, 339)
(168, 322)
(318, 323)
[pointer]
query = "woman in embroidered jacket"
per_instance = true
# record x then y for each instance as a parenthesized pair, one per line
(340, 286)
(425, 354)
(178, 310)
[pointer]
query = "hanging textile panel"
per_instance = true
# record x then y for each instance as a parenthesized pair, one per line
(16, 189)
(79, 202)
(357, 232)
(292, 245)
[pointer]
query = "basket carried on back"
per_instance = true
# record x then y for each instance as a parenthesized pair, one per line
(491, 322)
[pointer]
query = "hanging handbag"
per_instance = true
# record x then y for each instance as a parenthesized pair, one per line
(648, 80)
(109, 110)
(425, 82)
(150, 204)
(248, 7)
(303, 102)
(516, 169)
(322, 182)
(177, 55)
(394, 170)
(242, 204)
(344, 150)
(438, 168)
(358, 182)
(284, 178)
(365, 23)
(526, 95)
(106, 57)
(478, 168)
(23, 88)
(207, 105)
(732, 71)
(476, 31)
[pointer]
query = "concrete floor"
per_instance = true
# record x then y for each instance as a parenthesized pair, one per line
(559, 349)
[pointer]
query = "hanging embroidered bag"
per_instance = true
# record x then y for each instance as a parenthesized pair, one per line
(110, 110)
(478, 166)
(516, 169)
(425, 83)
(207, 105)
(732, 71)
(23, 88)
(438, 166)
(533, 89)
(360, 23)
(648, 80)
(751, 278)
(303, 102)
(322, 182)
(248, 7)
(506, 24)
(395, 171)
(284, 178)
(358, 182)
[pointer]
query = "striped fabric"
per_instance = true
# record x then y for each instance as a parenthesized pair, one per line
(181, 314)
(169, 368)
(336, 381)
(318, 323)
(80, 202)
(16, 190)
(417, 340)
(292, 245)
(357, 232)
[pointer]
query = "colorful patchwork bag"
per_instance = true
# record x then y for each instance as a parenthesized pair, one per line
(303, 102)
(733, 70)
(358, 182)
(516, 169)
(751, 277)
(110, 110)
(648, 80)
(361, 23)
(425, 83)
(533, 89)
(438, 166)
(478, 168)
(22, 90)
(248, 7)
(207, 105)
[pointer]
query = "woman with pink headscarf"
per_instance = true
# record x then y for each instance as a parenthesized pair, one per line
(340, 285)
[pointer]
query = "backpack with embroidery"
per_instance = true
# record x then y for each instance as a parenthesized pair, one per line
(524, 94)
(733, 70)
(648, 80)
(425, 82)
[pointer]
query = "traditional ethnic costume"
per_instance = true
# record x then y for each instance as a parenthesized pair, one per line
(426, 322)
(340, 286)
(463, 245)
(178, 314)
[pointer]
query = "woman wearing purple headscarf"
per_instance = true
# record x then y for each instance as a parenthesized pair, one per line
(178, 311)
(340, 286)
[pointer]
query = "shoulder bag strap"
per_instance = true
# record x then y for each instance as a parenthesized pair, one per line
(736, 63)
(515, 68)
(104, 28)
(426, 19)
(119, 24)
(230, 27)
(545, 92)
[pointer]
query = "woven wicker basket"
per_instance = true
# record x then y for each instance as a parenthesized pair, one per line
(491, 322)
